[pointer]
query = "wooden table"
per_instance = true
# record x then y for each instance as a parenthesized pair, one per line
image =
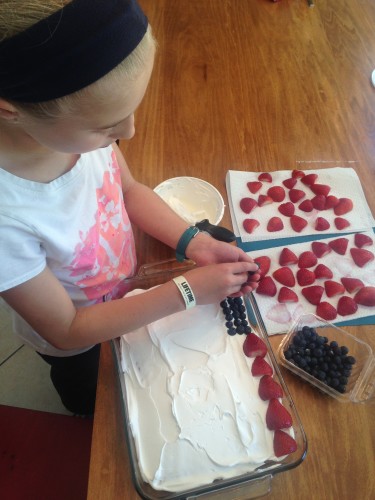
(257, 85)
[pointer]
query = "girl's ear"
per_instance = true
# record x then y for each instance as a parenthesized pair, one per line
(7, 110)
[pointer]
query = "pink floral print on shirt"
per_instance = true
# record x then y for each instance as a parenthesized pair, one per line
(105, 255)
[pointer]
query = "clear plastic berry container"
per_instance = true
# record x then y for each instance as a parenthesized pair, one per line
(359, 369)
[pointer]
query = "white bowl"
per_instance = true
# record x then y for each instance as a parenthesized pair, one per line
(192, 199)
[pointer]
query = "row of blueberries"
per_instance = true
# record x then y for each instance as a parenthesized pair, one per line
(235, 316)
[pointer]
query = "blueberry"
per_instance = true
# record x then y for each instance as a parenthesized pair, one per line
(317, 352)
(344, 349)
(232, 331)
(335, 382)
(247, 329)
(350, 360)
(288, 354)
(240, 329)
(333, 343)
(229, 324)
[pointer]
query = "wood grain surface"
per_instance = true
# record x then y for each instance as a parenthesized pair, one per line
(256, 85)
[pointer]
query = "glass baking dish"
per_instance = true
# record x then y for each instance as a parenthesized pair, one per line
(360, 386)
(245, 486)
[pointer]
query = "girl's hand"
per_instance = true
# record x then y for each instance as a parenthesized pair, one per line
(212, 283)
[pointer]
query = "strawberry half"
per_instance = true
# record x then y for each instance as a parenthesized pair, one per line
(326, 311)
(320, 189)
(277, 193)
(269, 388)
(361, 256)
(298, 223)
(333, 288)
(264, 199)
(344, 206)
(320, 248)
(346, 306)
(341, 223)
(307, 259)
(247, 205)
(322, 271)
(339, 245)
(296, 195)
(306, 206)
(275, 224)
(254, 186)
(362, 240)
(331, 202)
(277, 416)
(309, 179)
(290, 183)
(265, 177)
(283, 444)
(286, 295)
(313, 294)
(286, 209)
(305, 277)
(254, 346)
(318, 202)
(250, 225)
(284, 276)
(352, 284)
(298, 174)
(260, 367)
(321, 224)
(266, 287)
(287, 257)
(366, 296)
(264, 263)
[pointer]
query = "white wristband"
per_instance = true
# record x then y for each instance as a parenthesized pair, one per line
(186, 291)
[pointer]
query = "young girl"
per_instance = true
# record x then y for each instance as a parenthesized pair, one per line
(72, 74)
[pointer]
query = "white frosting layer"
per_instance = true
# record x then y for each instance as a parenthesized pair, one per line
(194, 408)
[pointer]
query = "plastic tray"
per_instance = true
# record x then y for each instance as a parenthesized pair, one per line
(361, 383)
(247, 486)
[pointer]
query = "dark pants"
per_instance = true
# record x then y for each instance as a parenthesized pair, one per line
(75, 379)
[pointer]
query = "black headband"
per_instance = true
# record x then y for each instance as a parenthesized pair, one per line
(70, 49)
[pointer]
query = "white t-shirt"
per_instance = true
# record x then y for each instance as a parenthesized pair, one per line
(77, 225)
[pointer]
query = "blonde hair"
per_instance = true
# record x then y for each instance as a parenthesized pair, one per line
(16, 16)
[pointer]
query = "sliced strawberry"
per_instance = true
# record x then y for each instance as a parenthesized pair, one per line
(307, 259)
(287, 257)
(254, 186)
(286, 209)
(283, 443)
(361, 256)
(264, 263)
(344, 206)
(339, 245)
(320, 248)
(365, 296)
(341, 223)
(247, 205)
(265, 177)
(346, 306)
(333, 288)
(266, 286)
(298, 223)
(277, 193)
(305, 277)
(320, 189)
(275, 224)
(296, 195)
(298, 174)
(269, 388)
(322, 271)
(284, 276)
(309, 179)
(277, 416)
(352, 284)
(319, 202)
(306, 206)
(287, 295)
(290, 183)
(331, 201)
(250, 225)
(260, 367)
(254, 346)
(321, 224)
(313, 294)
(264, 199)
(362, 240)
(326, 311)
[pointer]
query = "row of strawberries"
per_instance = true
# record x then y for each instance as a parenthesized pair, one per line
(305, 277)
(321, 201)
(277, 416)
